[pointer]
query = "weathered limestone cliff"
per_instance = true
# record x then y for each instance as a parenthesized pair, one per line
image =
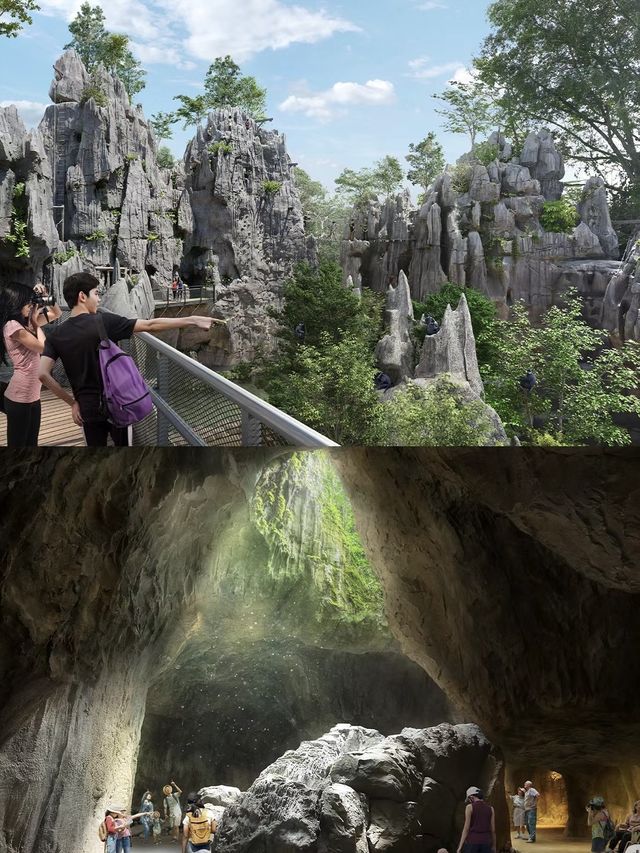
(480, 226)
(228, 217)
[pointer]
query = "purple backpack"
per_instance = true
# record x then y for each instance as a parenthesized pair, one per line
(125, 391)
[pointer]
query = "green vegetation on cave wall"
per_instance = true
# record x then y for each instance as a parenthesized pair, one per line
(314, 550)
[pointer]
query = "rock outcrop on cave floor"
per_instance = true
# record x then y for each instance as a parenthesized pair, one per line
(354, 790)
(229, 216)
(480, 226)
(510, 578)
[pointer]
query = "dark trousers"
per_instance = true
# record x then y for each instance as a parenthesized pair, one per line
(620, 838)
(96, 434)
(477, 848)
(23, 423)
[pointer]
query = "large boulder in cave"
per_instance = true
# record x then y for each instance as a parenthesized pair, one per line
(307, 799)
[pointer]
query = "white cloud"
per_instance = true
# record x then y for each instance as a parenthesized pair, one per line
(30, 111)
(421, 70)
(324, 105)
(430, 5)
(464, 75)
(172, 33)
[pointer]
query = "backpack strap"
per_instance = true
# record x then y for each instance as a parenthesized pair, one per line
(101, 327)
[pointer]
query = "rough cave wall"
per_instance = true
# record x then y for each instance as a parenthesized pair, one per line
(90, 604)
(290, 639)
(513, 580)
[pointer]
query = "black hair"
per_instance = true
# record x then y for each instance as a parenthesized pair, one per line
(80, 282)
(13, 298)
(195, 804)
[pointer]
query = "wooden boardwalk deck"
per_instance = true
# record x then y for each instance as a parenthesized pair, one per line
(57, 428)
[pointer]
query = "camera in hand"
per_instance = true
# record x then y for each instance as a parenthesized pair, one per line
(40, 300)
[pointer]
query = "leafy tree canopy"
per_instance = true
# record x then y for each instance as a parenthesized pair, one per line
(14, 14)
(574, 67)
(470, 109)
(191, 110)
(162, 124)
(226, 86)
(325, 215)
(95, 46)
(426, 159)
(357, 188)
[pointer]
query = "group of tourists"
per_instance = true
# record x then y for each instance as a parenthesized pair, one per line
(195, 828)
(604, 835)
(525, 812)
(24, 316)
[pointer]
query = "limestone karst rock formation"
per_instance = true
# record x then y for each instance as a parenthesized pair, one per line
(480, 226)
(229, 216)
(354, 790)
(510, 578)
(395, 353)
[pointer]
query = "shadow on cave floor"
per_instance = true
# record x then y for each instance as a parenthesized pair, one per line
(552, 840)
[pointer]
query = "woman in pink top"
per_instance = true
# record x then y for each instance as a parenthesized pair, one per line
(22, 341)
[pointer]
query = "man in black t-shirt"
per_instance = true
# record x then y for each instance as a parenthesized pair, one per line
(75, 342)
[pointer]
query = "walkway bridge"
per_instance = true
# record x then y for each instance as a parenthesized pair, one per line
(194, 406)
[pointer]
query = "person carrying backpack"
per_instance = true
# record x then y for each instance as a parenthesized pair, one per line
(76, 343)
(198, 826)
(602, 828)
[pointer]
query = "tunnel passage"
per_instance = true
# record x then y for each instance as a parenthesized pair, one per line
(510, 579)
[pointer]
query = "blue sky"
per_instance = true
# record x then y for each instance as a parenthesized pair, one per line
(348, 82)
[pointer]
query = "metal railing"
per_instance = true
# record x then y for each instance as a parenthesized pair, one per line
(196, 406)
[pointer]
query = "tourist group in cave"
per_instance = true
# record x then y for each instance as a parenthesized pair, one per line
(194, 829)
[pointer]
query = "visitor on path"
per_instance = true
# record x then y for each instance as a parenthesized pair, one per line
(518, 812)
(22, 317)
(75, 342)
(198, 826)
(479, 831)
(531, 797)
(115, 822)
(122, 824)
(627, 831)
(146, 807)
(599, 821)
(180, 286)
(172, 809)
(174, 285)
(157, 828)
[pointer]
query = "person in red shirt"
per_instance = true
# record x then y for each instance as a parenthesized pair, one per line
(117, 824)
(479, 831)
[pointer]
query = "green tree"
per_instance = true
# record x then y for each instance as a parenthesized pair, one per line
(116, 56)
(574, 67)
(356, 188)
(191, 110)
(96, 46)
(426, 159)
(325, 215)
(388, 175)
(14, 14)
(470, 110)
(226, 86)
(88, 31)
(437, 416)
(162, 125)
(165, 158)
(581, 384)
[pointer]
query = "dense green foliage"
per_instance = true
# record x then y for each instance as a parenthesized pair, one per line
(18, 232)
(191, 110)
(96, 46)
(325, 216)
(469, 110)
(574, 67)
(14, 14)
(580, 385)
(485, 153)
(437, 416)
(226, 86)
(161, 124)
(560, 217)
(426, 159)
(481, 308)
(166, 160)
(358, 188)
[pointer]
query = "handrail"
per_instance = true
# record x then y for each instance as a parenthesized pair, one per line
(289, 428)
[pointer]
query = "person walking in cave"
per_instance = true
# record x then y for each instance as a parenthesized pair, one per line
(600, 822)
(627, 831)
(479, 830)
(172, 809)
(198, 827)
(123, 823)
(146, 807)
(75, 342)
(531, 797)
(116, 825)
(518, 812)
